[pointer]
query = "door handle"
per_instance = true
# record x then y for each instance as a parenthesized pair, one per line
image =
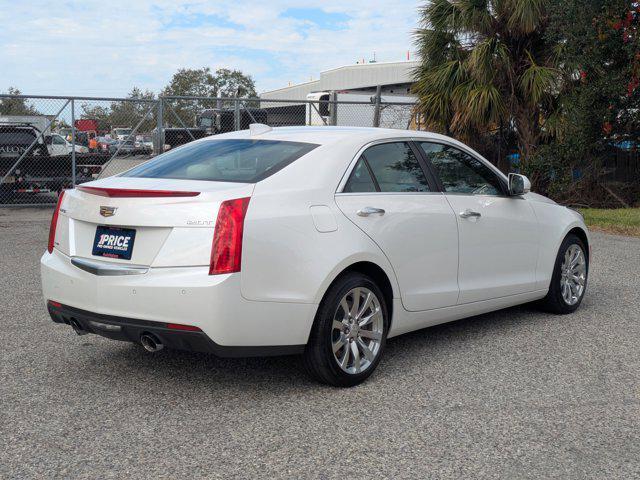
(470, 213)
(366, 211)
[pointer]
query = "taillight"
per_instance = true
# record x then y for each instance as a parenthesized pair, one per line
(186, 328)
(54, 223)
(226, 251)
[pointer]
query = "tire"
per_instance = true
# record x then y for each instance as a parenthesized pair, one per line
(555, 301)
(367, 328)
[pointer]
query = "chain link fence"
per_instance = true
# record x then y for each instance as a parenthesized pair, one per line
(48, 144)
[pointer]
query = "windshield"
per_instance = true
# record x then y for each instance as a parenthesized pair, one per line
(246, 161)
(122, 131)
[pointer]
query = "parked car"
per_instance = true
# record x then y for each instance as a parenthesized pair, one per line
(58, 145)
(121, 133)
(315, 241)
(126, 147)
(144, 144)
(107, 145)
(111, 146)
(30, 164)
(16, 140)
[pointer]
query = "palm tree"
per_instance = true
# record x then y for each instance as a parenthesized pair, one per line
(487, 64)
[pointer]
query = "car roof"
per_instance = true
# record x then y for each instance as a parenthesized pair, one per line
(353, 135)
(328, 135)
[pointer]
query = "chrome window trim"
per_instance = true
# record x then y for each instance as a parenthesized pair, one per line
(479, 195)
(347, 194)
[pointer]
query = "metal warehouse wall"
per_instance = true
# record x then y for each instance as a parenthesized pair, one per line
(350, 77)
(367, 75)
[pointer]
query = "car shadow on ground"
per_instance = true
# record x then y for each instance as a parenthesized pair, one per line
(286, 372)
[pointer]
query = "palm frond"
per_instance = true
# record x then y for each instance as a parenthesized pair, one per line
(442, 15)
(526, 15)
(476, 15)
(538, 81)
(436, 110)
(487, 59)
(488, 62)
(435, 46)
(477, 105)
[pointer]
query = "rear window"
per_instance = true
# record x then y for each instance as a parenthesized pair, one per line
(246, 161)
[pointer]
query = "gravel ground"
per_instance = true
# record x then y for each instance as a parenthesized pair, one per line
(512, 394)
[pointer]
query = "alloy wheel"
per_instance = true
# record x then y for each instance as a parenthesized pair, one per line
(573, 274)
(358, 326)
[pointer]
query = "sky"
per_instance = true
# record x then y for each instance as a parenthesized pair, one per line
(104, 48)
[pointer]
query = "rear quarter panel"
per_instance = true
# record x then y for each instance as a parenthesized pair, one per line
(285, 258)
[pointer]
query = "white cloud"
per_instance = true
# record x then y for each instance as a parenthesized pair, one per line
(105, 48)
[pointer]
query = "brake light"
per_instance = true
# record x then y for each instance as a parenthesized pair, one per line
(186, 328)
(54, 223)
(54, 304)
(131, 193)
(226, 251)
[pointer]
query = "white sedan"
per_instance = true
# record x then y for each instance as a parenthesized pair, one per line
(316, 241)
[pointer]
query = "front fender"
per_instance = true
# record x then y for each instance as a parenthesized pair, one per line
(555, 223)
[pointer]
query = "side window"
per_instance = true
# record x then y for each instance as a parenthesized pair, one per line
(396, 168)
(360, 179)
(57, 140)
(460, 172)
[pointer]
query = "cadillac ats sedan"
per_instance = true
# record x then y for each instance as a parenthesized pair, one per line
(322, 242)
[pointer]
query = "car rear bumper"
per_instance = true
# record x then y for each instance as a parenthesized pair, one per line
(131, 330)
(180, 295)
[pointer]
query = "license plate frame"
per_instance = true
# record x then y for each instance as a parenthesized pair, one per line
(114, 242)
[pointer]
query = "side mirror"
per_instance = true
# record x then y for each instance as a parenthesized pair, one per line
(518, 184)
(48, 140)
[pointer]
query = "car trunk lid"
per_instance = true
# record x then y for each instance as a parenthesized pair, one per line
(173, 220)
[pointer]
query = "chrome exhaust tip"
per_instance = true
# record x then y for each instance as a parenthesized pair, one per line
(77, 327)
(150, 342)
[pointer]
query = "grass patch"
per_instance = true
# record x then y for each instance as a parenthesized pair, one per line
(620, 221)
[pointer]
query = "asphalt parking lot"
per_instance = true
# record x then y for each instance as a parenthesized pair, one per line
(512, 394)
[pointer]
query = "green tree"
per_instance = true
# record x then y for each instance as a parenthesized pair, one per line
(16, 106)
(600, 46)
(191, 83)
(206, 85)
(233, 83)
(123, 113)
(127, 113)
(488, 64)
